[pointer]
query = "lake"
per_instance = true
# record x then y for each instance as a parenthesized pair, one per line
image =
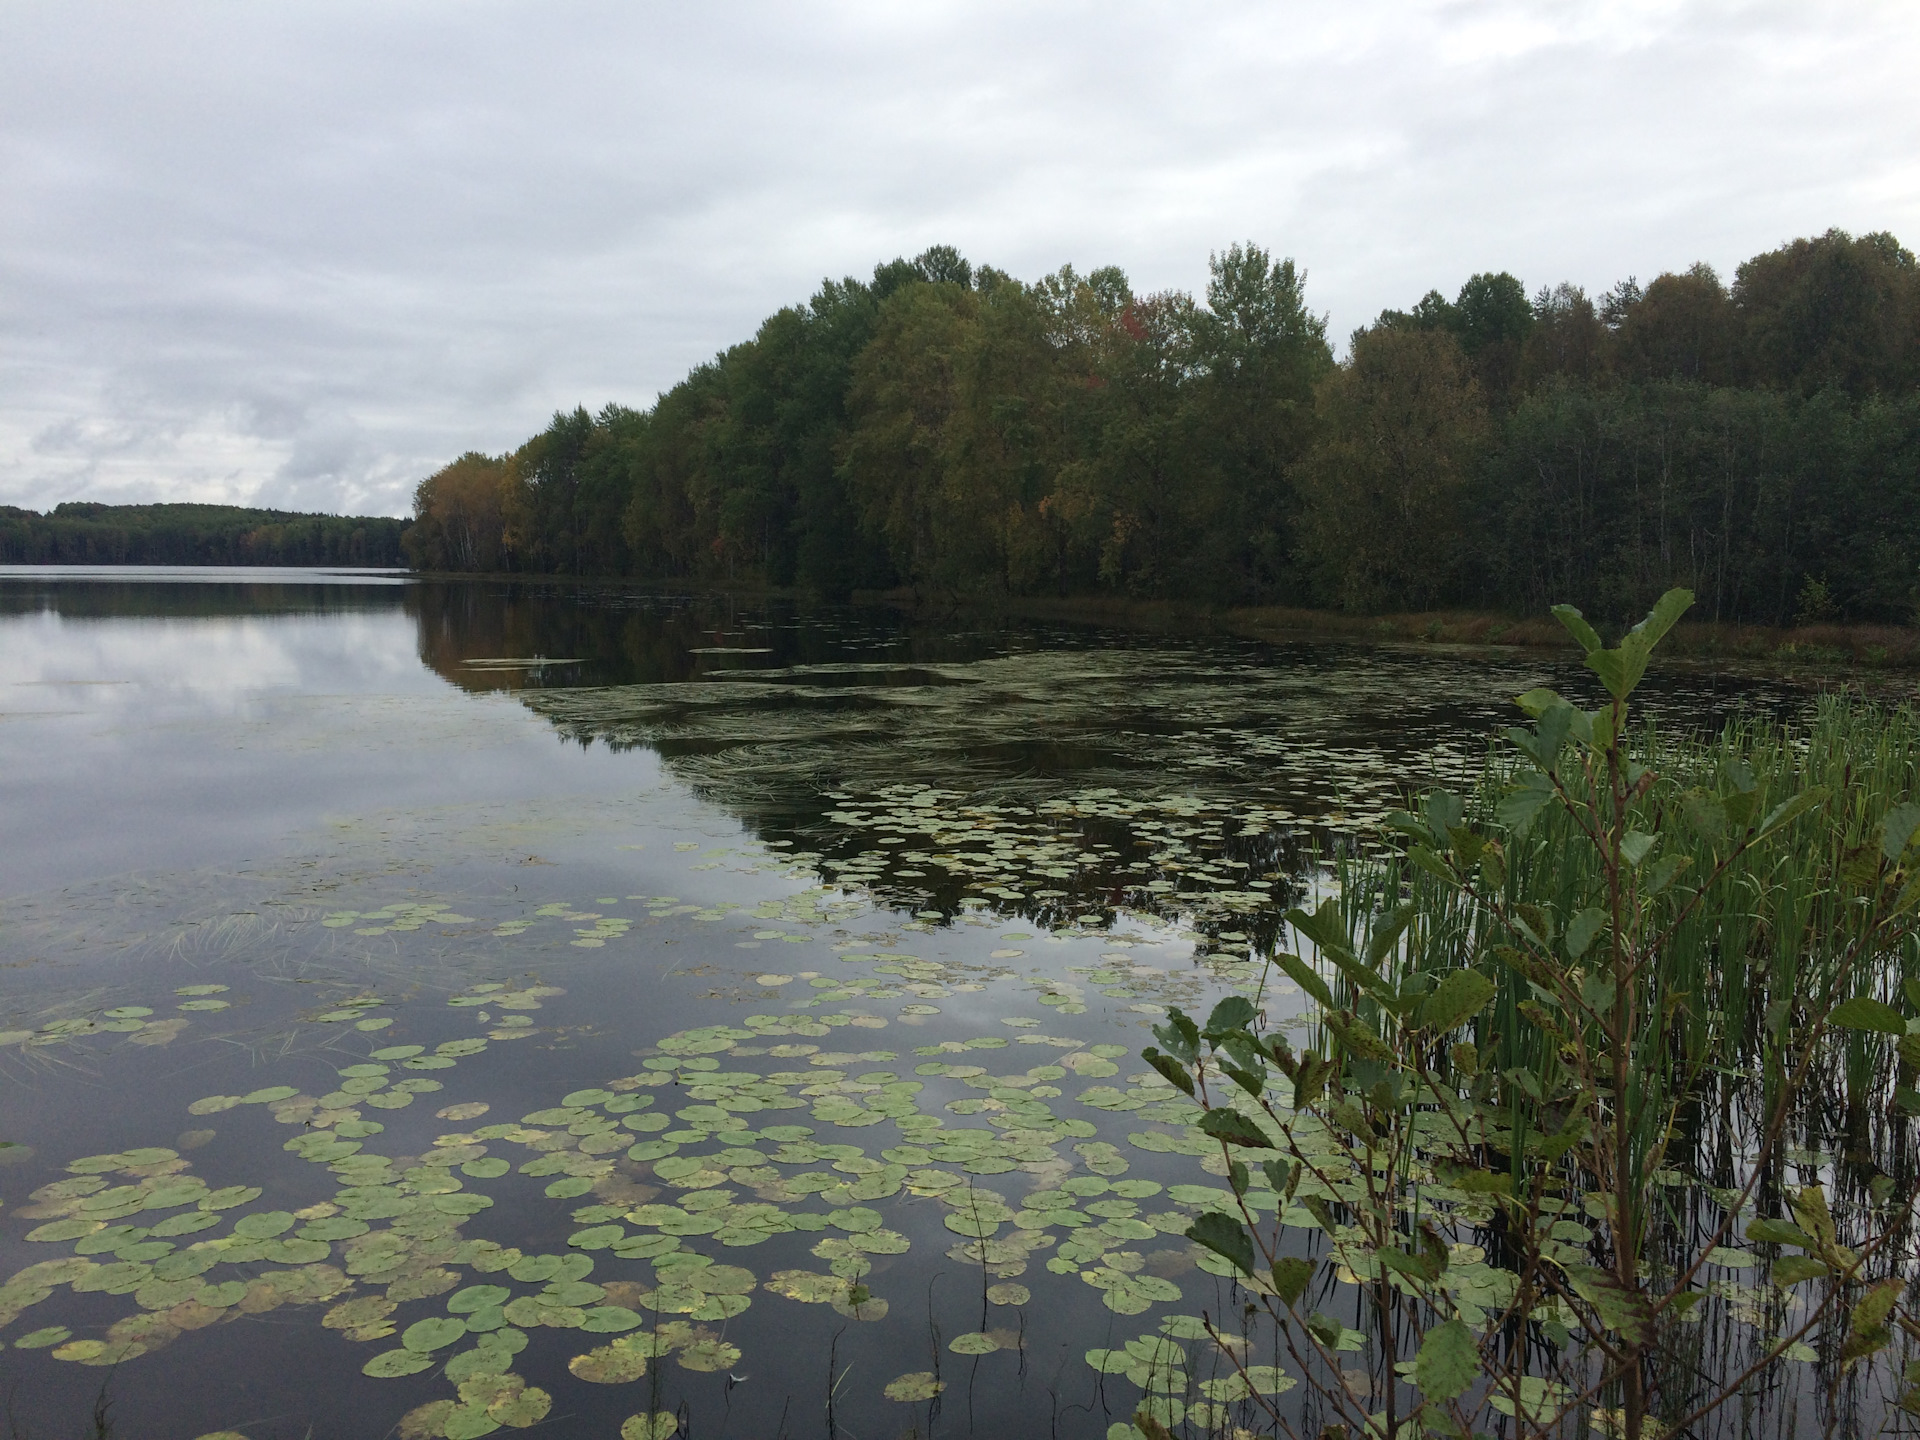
(438, 1008)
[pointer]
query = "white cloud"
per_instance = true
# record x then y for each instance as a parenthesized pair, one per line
(306, 252)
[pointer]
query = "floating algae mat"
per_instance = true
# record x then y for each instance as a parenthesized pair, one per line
(731, 1029)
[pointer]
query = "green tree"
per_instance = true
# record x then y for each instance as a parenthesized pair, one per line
(1402, 426)
(1683, 327)
(1833, 310)
(1566, 340)
(458, 516)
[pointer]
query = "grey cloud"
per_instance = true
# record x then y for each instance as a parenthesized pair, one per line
(306, 252)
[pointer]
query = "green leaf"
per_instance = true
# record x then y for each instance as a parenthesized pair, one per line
(1791, 1270)
(433, 1333)
(1620, 669)
(1357, 1039)
(1664, 873)
(1323, 927)
(1291, 1276)
(1577, 626)
(1307, 978)
(1236, 1012)
(1565, 1138)
(1171, 1069)
(1863, 1012)
(1874, 1307)
(1898, 830)
(1179, 1035)
(1521, 805)
(1619, 1309)
(1225, 1236)
(1635, 845)
(1233, 1128)
(1414, 1267)
(1424, 858)
(1537, 702)
(1778, 1232)
(1448, 1361)
(1543, 744)
(1665, 614)
(1387, 930)
(1787, 811)
(1705, 814)
(1457, 999)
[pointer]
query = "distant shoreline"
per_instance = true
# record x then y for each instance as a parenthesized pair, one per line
(1802, 649)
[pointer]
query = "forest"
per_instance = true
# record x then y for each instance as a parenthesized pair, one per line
(84, 533)
(955, 430)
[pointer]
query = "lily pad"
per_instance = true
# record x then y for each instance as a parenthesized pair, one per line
(660, 1425)
(709, 1355)
(528, 1407)
(477, 1297)
(392, 1364)
(434, 1333)
(806, 1286)
(618, 1363)
(915, 1387)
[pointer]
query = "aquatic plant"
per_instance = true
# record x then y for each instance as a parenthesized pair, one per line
(1567, 1045)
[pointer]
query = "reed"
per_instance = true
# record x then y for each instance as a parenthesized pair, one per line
(1636, 999)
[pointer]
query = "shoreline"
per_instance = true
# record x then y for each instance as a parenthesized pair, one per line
(1807, 648)
(1821, 650)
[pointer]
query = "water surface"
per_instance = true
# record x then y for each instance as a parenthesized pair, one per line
(456, 1007)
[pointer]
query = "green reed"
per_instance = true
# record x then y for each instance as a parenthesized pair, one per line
(1600, 1014)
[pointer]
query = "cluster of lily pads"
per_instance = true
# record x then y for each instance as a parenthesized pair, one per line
(1153, 718)
(666, 1189)
(138, 1023)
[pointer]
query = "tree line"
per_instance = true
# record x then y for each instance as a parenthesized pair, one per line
(85, 533)
(960, 431)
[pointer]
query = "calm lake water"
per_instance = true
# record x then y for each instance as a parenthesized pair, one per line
(446, 1008)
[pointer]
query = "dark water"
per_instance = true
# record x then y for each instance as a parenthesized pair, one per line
(873, 913)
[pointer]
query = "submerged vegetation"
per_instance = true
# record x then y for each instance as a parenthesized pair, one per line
(956, 430)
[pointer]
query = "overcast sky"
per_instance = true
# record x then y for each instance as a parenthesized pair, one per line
(301, 254)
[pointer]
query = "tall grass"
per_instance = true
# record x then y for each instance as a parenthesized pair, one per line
(1650, 1016)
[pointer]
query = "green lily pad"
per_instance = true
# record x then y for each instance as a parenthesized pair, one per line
(477, 1297)
(806, 1286)
(527, 1407)
(533, 1269)
(660, 1425)
(709, 1355)
(42, 1339)
(55, 1230)
(230, 1197)
(434, 1333)
(609, 1319)
(912, 1388)
(392, 1364)
(466, 1422)
(974, 1342)
(263, 1225)
(619, 1363)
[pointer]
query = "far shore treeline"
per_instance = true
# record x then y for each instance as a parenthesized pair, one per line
(83, 533)
(956, 430)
